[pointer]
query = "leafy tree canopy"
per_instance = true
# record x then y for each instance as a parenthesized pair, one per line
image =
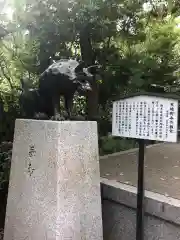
(136, 42)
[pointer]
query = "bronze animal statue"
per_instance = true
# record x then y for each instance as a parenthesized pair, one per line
(62, 78)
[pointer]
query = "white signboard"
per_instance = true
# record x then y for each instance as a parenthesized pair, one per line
(146, 117)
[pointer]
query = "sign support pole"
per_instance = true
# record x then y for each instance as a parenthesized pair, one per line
(140, 193)
(153, 116)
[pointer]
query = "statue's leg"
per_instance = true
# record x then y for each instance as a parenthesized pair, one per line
(45, 107)
(56, 106)
(69, 105)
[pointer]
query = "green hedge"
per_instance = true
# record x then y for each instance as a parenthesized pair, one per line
(109, 144)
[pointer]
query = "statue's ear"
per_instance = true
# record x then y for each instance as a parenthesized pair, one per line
(80, 67)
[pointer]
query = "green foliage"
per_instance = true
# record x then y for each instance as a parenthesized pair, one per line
(136, 48)
(109, 145)
(5, 163)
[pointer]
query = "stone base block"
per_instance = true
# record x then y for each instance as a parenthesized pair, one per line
(54, 190)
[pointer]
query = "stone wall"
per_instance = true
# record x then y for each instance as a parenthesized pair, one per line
(162, 219)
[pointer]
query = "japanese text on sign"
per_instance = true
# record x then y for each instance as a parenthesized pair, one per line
(146, 117)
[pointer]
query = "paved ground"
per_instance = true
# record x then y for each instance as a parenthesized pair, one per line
(162, 169)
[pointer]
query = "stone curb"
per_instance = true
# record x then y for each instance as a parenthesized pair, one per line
(157, 205)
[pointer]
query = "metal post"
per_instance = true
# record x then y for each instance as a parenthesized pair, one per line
(140, 193)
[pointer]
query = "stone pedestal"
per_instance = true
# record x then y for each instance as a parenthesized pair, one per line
(54, 190)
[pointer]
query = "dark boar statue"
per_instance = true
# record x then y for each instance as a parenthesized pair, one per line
(64, 78)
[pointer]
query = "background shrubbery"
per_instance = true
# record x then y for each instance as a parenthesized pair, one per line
(110, 145)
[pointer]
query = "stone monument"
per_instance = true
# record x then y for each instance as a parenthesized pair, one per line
(54, 189)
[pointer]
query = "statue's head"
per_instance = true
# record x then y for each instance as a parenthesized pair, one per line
(83, 83)
(85, 76)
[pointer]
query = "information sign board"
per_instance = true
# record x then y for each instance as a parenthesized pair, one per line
(146, 117)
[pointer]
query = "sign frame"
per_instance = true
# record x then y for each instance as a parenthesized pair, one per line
(146, 117)
(141, 141)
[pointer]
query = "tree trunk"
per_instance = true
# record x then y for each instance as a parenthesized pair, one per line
(87, 57)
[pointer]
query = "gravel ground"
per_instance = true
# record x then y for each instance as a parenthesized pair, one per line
(162, 169)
